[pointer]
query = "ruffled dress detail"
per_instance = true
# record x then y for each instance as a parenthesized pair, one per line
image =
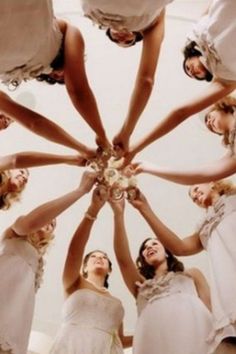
(172, 319)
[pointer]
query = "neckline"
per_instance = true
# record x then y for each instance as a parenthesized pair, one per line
(110, 297)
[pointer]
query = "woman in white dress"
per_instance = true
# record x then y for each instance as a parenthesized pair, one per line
(215, 234)
(172, 302)
(92, 317)
(47, 49)
(214, 56)
(127, 22)
(221, 120)
(23, 245)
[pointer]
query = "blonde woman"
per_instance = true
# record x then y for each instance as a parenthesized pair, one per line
(14, 175)
(215, 234)
(23, 246)
(92, 316)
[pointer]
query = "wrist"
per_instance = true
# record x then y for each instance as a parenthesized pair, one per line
(92, 211)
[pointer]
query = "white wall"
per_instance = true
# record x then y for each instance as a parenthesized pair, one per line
(111, 72)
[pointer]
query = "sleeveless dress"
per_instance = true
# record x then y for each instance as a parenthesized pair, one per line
(20, 270)
(218, 237)
(90, 324)
(172, 319)
(29, 39)
(133, 15)
(215, 34)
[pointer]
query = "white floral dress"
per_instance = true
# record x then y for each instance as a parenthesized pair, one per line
(21, 268)
(215, 34)
(133, 15)
(172, 319)
(29, 39)
(218, 237)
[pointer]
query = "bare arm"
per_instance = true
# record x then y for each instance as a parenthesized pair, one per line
(152, 40)
(77, 83)
(180, 247)
(202, 286)
(46, 212)
(121, 246)
(79, 240)
(222, 168)
(32, 159)
(127, 341)
(39, 124)
(214, 92)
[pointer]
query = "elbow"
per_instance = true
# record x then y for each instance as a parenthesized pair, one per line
(146, 83)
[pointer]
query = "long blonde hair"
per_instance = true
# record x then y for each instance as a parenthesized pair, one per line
(224, 186)
(226, 105)
(8, 198)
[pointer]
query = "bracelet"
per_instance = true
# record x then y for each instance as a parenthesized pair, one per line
(90, 217)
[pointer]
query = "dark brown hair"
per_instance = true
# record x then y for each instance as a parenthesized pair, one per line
(85, 261)
(138, 37)
(148, 271)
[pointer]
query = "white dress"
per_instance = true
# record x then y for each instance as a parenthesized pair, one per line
(215, 35)
(172, 319)
(90, 324)
(133, 15)
(29, 39)
(218, 236)
(19, 271)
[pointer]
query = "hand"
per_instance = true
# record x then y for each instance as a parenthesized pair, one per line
(89, 153)
(78, 160)
(99, 197)
(120, 144)
(128, 157)
(103, 143)
(139, 167)
(87, 181)
(118, 206)
(140, 201)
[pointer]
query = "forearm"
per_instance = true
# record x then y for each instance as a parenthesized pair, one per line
(214, 171)
(86, 105)
(121, 244)
(170, 240)
(45, 213)
(37, 123)
(127, 341)
(139, 99)
(32, 159)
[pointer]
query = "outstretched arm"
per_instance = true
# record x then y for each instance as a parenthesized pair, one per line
(121, 245)
(222, 168)
(39, 124)
(152, 40)
(77, 84)
(32, 159)
(180, 247)
(71, 274)
(214, 92)
(46, 212)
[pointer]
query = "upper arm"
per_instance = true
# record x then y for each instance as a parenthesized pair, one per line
(7, 162)
(152, 40)
(74, 69)
(21, 226)
(130, 275)
(202, 286)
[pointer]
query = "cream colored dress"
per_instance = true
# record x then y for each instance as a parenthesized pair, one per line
(215, 35)
(20, 273)
(29, 39)
(218, 236)
(90, 324)
(172, 319)
(133, 15)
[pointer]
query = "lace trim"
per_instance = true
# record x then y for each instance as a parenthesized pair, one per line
(232, 139)
(39, 273)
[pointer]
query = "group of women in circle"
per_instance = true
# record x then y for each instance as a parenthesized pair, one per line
(177, 311)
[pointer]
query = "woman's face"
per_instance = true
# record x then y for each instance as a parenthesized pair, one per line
(18, 180)
(202, 194)
(97, 261)
(194, 68)
(4, 121)
(154, 252)
(216, 121)
(123, 38)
